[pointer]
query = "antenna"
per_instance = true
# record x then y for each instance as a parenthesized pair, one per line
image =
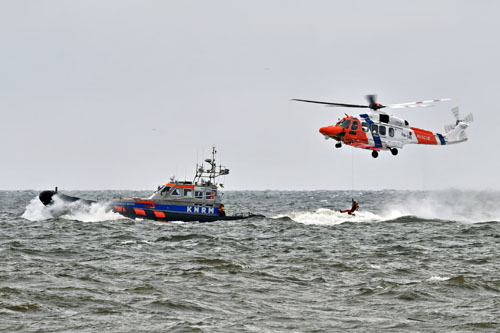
(208, 177)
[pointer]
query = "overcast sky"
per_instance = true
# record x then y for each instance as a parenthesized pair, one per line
(124, 94)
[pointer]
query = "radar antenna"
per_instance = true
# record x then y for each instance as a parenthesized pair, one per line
(209, 177)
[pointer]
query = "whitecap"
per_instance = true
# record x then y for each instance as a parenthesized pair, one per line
(78, 211)
(325, 216)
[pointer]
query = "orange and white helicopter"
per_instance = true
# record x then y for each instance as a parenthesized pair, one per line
(377, 130)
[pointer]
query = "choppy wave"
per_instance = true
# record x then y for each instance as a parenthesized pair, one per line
(458, 206)
(325, 272)
(451, 205)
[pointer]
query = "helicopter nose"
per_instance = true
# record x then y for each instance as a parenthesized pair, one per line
(330, 130)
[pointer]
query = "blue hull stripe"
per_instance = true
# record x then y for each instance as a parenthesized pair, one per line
(171, 208)
(376, 137)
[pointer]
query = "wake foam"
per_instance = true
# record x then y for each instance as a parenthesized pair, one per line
(36, 211)
(96, 212)
(326, 216)
(450, 205)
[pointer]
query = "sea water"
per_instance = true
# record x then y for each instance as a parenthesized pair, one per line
(407, 261)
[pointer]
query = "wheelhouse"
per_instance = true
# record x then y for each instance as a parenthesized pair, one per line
(185, 191)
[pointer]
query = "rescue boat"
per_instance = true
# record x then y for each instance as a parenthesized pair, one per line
(196, 200)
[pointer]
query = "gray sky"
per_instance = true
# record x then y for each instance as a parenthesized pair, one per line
(124, 94)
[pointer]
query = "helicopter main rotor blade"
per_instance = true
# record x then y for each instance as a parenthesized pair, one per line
(417, 104)
(449, 128)
(395, 106)
(371, 99)
(332, 104)
(456, 113)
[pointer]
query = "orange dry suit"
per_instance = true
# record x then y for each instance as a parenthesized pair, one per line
(354, 208)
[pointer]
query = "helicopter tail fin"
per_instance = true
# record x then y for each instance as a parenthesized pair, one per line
(457, 134)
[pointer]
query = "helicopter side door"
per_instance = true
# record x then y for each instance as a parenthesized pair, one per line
(395, 137)
(356, 132)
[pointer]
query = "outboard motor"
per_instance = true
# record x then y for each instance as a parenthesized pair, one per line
(46, 196)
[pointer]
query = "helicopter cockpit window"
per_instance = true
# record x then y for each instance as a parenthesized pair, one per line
(382, 130)
(375, 129)
(345, 123)
(364, 127)
(391, 132)
(354, 126)
(176, 192)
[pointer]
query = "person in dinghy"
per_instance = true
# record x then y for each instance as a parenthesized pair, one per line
(354, 208)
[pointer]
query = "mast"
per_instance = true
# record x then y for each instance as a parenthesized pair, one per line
(209, 177)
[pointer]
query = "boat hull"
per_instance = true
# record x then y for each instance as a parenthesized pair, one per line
(148, 209)
(167, 216)
(47, 198)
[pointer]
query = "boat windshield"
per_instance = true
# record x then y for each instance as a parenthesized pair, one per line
(162, 190)
(165, 190)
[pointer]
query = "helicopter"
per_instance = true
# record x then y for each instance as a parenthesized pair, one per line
(377, 130)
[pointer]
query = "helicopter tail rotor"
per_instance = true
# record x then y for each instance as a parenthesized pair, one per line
(456, 114)
(469, 118)
(448, 128)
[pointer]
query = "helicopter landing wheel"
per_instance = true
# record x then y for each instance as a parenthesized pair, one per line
(338, 145)
(374, 154)
(394, 151)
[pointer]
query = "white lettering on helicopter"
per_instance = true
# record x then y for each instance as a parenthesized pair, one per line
(198, 209)
(423, 137)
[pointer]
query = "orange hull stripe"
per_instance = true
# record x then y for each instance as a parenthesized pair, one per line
(180, 186)
(119, 209)
(139, 211)
(184, 186)
(159, 214)
(144, 201)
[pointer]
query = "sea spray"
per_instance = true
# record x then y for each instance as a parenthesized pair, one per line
(95, 212)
